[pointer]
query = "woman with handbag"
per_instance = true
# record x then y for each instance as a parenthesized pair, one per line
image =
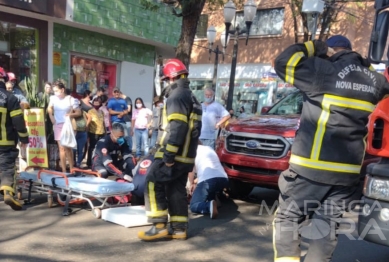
(80, 127)
(61, 106)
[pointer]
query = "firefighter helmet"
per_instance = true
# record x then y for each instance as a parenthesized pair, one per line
(11, 76)
(173, 68)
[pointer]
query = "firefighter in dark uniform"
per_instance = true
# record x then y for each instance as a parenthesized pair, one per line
(165, 192)
(340, 90)
(112, 155)
(11, 126)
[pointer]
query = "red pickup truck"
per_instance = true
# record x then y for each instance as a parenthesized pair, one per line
(255, 150)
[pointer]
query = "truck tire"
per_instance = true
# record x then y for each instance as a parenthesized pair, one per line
(239, 189)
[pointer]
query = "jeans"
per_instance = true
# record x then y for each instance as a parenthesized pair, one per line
(142, 138)
(208, 142)
(128, 136)
(93, 138)
(205, 192)
(81, 138)
(154, 137)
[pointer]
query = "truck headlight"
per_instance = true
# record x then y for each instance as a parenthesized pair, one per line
(290, 140)
(376, 188)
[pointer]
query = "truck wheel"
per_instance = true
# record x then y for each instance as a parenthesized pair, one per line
(239, 189)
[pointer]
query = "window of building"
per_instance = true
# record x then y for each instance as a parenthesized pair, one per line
(266, 22)
(89, 73)
(202, 27)
(19, 51)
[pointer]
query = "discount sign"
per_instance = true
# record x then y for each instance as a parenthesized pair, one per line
(37, 147)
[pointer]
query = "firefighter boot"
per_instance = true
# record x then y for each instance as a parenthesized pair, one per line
(179, 234)
(156, 232)
(9, 198)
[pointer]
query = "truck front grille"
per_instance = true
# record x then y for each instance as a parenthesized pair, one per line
(257, 145)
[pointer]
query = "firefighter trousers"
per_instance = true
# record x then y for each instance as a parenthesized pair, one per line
(165, 193)
(312, 210)
(8, 165)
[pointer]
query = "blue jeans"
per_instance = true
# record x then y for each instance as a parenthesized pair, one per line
(141, 138)
(81, 138)
(128, 136)
(154, 137)
(208, 142)
(205, 192)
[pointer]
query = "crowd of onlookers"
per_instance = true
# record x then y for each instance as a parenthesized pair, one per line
(92, 118)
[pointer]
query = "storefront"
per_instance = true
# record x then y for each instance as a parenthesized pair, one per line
(91, 73)
(23, 47)
(256, 86)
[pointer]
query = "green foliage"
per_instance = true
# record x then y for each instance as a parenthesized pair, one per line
(32, 93)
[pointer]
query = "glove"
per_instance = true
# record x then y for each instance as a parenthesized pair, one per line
(321, 48)
(128, 178)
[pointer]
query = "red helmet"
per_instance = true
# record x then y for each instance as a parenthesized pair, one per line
(173, 68)
(3, 74)
(11, 76)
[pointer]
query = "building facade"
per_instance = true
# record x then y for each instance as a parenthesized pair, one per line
(87, 43)
(256, 84)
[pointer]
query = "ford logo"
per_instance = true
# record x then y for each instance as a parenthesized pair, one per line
(252, 144)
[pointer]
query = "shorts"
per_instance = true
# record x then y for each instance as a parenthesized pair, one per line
(57, 131)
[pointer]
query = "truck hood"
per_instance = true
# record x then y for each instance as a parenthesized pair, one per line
(267, 124)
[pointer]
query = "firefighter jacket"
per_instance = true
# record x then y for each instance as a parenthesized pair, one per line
(181, 125)
(12, 120)
(339, 93)
(108, 154)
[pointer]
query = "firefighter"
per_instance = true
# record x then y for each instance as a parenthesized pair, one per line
(12, 124)
(112, 155)
(340, 90)
(165, 192)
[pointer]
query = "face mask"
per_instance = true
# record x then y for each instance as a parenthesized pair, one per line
(160, 105)
(96, 107)
(57, 93)
(208, 99)
(120, 141)
(138, 105)
(231, 115)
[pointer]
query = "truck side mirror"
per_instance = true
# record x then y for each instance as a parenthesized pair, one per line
(379, 32)
(265, 109)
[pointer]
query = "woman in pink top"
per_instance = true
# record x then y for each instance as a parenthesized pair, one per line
(141, 119)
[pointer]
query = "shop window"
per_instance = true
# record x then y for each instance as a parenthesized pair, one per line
(202, 27)
(266, 22)
(19, 51)
(198, 87)
(91, 74)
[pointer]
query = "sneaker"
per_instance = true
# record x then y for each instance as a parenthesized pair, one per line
(156, 232)
(9, 200)
(213, 209)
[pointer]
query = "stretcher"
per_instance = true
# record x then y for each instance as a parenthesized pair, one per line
(78, 185)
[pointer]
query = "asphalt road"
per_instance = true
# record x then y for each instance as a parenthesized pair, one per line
(239, 234)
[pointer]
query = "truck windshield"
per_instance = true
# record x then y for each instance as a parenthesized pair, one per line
(289, 105)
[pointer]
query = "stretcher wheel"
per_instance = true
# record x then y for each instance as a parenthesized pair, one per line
(50, 201)
(96, 212)
(19, 194)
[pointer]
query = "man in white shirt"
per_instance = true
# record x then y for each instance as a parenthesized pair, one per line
(214, 116)
(211, 179)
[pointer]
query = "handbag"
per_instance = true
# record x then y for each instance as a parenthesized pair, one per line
(68, 139)
(79, 123)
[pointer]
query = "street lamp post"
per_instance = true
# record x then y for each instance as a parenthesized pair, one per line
(314, 8)
(211, 36)
(250, 9)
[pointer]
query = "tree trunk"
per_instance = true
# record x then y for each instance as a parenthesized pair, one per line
(295, 23)
(191, 11)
